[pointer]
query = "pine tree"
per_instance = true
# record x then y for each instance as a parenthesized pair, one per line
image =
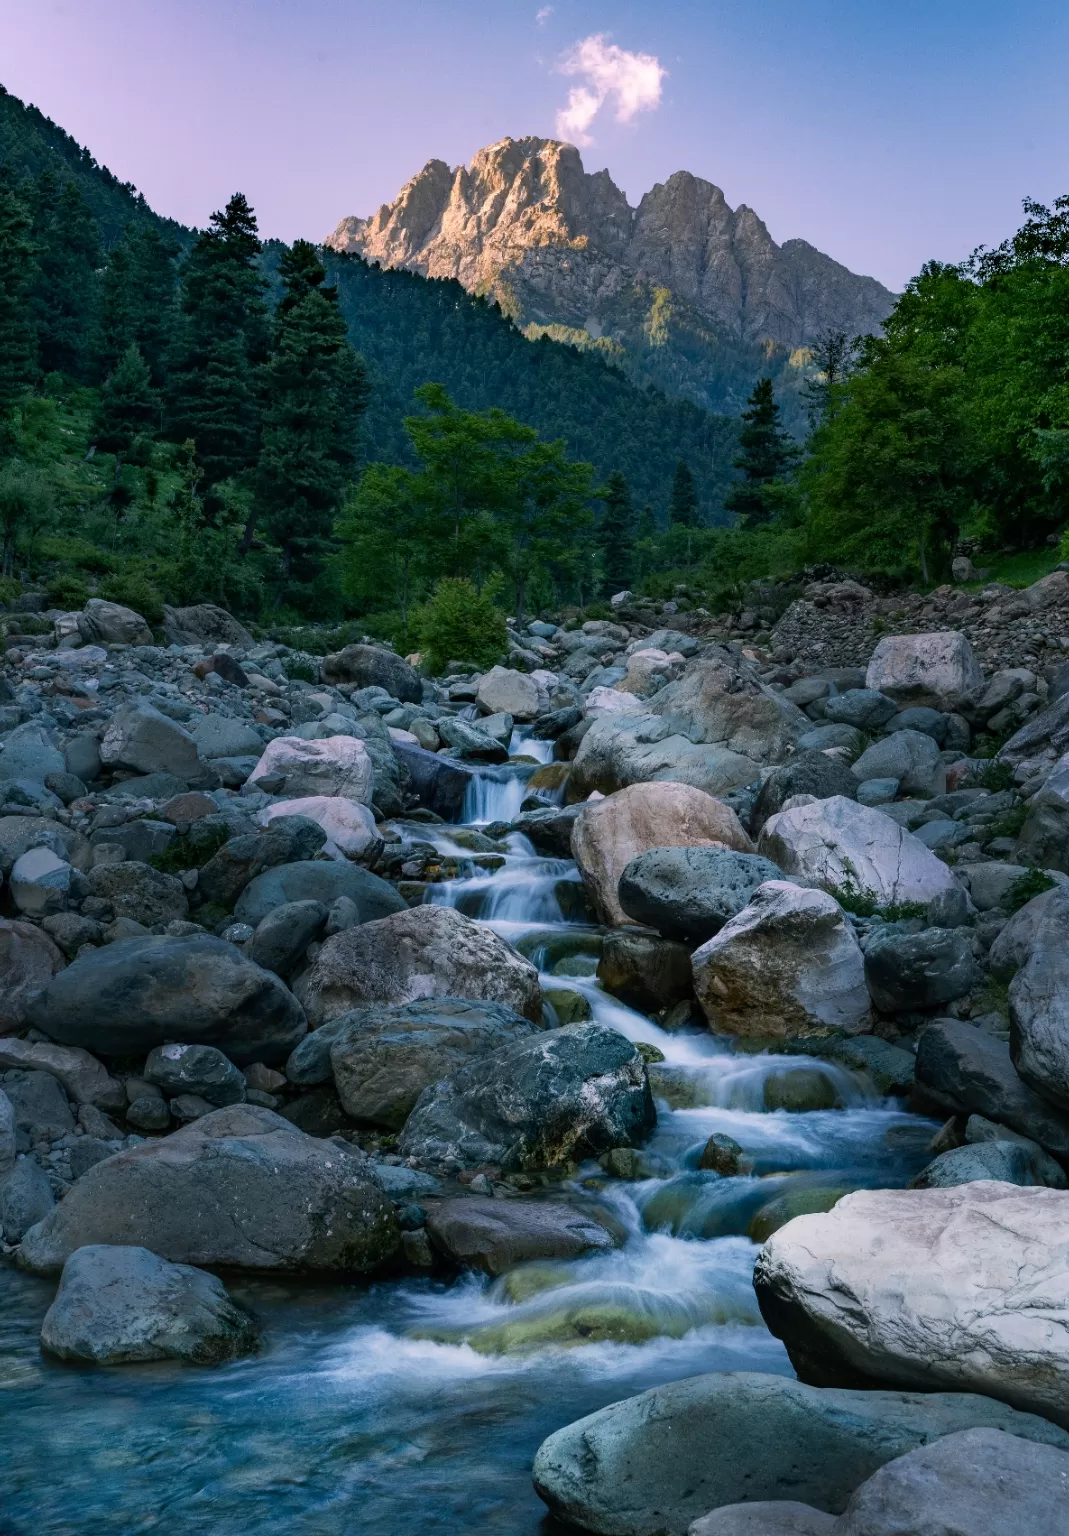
(18, 352)
(683, 507)
(63, 292)
(136, 302)
(616, 533)
(768, 453)
(315, 390)
(222, 338)
(129, 407)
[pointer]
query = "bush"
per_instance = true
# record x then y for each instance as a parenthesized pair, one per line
(1028, 886)
(134, 590)
(460, 624)
(67, 590)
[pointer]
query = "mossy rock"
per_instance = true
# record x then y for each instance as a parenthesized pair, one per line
(796, 1202)
(550, 776)
(570, 1007)
(801, 1090)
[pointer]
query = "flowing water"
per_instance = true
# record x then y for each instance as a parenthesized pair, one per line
(417, 1405)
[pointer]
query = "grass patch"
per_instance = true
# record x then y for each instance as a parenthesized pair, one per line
(189, 850)
(1023, 891)
(1023, 568)
(996, 776)
(1009, 824)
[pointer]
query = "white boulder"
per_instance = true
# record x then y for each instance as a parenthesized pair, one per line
(336, 766)
(938, 670)
(612, 701)
(503, 690)
(40, 882)
(349, 825)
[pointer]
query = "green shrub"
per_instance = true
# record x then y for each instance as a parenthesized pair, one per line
(1028, 886)
(67, 589)
(77, 553)
(300, 671)
(996, 776)
(134, 590)
(9, 589)
(460, 624)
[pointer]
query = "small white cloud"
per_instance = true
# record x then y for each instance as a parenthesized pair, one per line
(542, 16)
(631, 80)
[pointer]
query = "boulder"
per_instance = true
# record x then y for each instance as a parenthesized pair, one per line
(283, 936)
(222, 736)
(29, 754)
(239, 1188)
(1006, 1162)
(382, 1059)
(503, 690)
(40, 1105)
(690, 893)
(927, 1290)
(419, 953)
(1041, 741)
(1015, 943)
(84, 1079)
(1039, 1013)
(440, 783)
(937, 670)
(40, 883)
(104, 623)
(717, 702)
(317, 880)
(613, 701)
(862, 708)
(496, 1235)
(199, 1069)
(140, 737)
(25, 1198)
(611, 832)
(911, 972)
(855, 849)
(20, 833)
(622, 749)
(550, 830)
(142, 840)
(7, 1133)
(140, 892)
(1044, 839)
(116, 1305)
(206, 625)
(650, 1465)
(468, 741)
(808, 773)
(373, 666)
(28, 961)
(349, 825)
(560, 1097)
(338, 766)
(962, 1070)
(645, 971)
(911, 757)
(787, 964)
(288, 840)
(138, 993)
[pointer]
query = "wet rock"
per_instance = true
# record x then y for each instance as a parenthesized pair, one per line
(372, 666)
(909, 756)
(963, 1070)
(916, 972)
(139, 993)
(140, 737)
(116, 1305)
(793, 1202)
(413, 954)
(25, 1198)
(198, 1069)
(852, 848)
(890, 1068)
(240, 1188)
(1008, 1162)
(721, 1154)
(927, 1289)
(800, 1090)
(28, 961)
(350, 826)
(550, 830)
(140, 892)
(936, 670)
(84, 1079)
(644, 971)
(440, 783)
(651, 1464)
(564, 1095)
(690, 893)
(496, 1235)
(611, 832)
(317, 880)
(339, 766)
(788, 964)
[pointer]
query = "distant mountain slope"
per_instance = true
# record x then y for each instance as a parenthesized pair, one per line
(698, 296)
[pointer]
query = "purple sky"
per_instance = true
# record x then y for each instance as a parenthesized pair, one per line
(884, 131)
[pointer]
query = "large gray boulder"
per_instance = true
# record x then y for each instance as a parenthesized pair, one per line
(288, 840)
(204, 624)
(907, 972)
(283, 936)
(1017, 940)
(419, 953)
(7, 1133)
(1006, 1162)
(372, 666)
(623, 749)
(609, 833)
(854, 849)
(720, 703)
(199, 1069)
(928, 1290)
(239, 1188)
(440, 782)
(116, 1305)
(223, 736)
(337, 766)
(503, 690)
(140, 737)
(317, 880)
(650, 1465)
(787, 964)
(963, 1070)
(385, 1057)
(28, 961)
(1039, 1013)
(138, 993)
(911, 757)
(860, 707)
(29, 753)
(1041, 741)
(807, 773)
(104, 623)
(1044, 838)
(690, 893)
(138, 891)
(496, 1235)
(937, 670)
(85, 1080)
(20, 833)
(541, 1103)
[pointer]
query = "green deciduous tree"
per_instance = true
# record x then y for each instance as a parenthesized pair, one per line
(460, 623)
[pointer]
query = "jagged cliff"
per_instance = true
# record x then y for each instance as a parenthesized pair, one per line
(695, 295)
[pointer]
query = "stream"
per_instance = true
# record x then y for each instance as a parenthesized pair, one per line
(417, 1405)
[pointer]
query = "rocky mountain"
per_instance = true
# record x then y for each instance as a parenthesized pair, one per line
(683, 289)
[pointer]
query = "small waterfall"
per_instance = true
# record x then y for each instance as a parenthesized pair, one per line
(494, 794)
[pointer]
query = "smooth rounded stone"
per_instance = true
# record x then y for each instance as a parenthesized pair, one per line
(317, 880)
(928, 1289)
(25, 1198)
(1039, 1012)
(652, 1464)
(562, 1096)
(979, 1131)
(721, 1154)
(569, 1006)
(844, 846)
(799, 1090)
(288, 840)
(30, 754)
(963, 1070)
(778, 1212)
(84, 1079)
(908, 756)
(915, 972)
(140, 892)
(104, 623)
(822, 738)
(385, 1057)
(148, 1113)
(139, 993)
(240, 1188)
(863, 708)
(943, 834)
(28, 961)
(611, 832)
(81, 755)
(1007, 1162)
(440, 783)
(199, 1069)
(372, 666)
(1015, 943)
(350, 826)
(938, 671)
(690, 893)
(496, 1235)
(645, 971)
(619, 750)
(876, 791)
(282, 937)
(221, 736)
(40, 1104)
(503, 690)
(890, 1068)
(784, 1517)
(550, 830)
(87, 1151)
(206, 626)
(990, 884)
(417, 953)
(930, 722)
(7, 1132)
(613, 701)
(336, 766)
(788, 964)
(40, 883)
(140, 737)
